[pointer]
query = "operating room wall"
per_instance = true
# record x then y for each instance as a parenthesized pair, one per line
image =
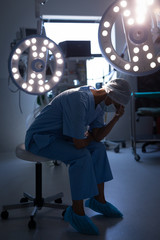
(16, 14)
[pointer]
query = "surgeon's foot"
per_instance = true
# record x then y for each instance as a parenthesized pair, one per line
(82, 224)
(100, 199)
(77, 206)
(106, 209)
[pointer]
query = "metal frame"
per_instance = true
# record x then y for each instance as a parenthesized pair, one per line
(134, 138)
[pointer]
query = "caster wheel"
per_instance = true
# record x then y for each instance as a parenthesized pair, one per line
(116, 149)
(137, 157)
(123, 145)
(63, 213)
(24, 200)
(58, 200)
(56, 163)
(32, 224)
(143, 150)
(4, 214)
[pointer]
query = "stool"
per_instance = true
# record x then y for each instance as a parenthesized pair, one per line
(38, 201)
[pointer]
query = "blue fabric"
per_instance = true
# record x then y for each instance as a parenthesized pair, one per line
(106, 209)
(68, 114)
(82, 224)
(87, 167)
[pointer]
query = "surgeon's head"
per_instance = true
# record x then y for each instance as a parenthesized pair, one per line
(118, 92)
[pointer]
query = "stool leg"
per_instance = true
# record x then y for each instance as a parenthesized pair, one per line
(39, 199)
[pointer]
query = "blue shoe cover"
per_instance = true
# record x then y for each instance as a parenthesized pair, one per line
(106, 209)
(82, 224)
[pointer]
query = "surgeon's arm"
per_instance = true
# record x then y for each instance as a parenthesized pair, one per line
(99, 133)
(81, 143)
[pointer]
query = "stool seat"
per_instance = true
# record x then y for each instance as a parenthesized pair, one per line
(38, 201)
(22, 153)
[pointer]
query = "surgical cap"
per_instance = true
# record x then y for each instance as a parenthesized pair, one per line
(118, 90)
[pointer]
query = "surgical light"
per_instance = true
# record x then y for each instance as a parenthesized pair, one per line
(127, 66)
(106, 24)
(135, 59)
(108, 50)
(27, 42)
(14, 70)
(33, 40)
(40, 82)
(51, 45)
(41, 89)
(138, 21)
(31, 81)
(123, 3)
(15, 57)
(34, 48)
(136, 50)
(34, 53)
(30, 88)
(116, 9)
(18, 50)
(45, 42)
(113, 57)
(24, 85)
(41, 55)
(127, 13)
(149, 55)
(153, 64)
(131, 21)
(145, 48)
(55, 79)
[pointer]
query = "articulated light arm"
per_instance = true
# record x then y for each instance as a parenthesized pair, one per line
(38, 4)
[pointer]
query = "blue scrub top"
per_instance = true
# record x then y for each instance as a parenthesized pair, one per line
(69, 114)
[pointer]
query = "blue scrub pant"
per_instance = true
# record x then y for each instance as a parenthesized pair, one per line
(87, 167)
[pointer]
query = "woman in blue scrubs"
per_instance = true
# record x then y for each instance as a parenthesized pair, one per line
(70, 129)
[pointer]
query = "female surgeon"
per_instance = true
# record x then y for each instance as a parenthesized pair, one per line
(70, 129)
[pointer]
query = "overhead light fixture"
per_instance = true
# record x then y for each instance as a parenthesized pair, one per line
(28, 64)
(139, 24)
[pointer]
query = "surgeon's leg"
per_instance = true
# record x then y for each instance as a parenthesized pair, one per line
(97, 151)
(103, 174)
(82, 178)
(100, 197)
(82, 181)
(101, 164)
(78, 207)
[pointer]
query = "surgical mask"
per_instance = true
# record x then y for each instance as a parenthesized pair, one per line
(109, 108)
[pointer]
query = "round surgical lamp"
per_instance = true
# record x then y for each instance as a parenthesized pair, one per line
(36, 64)
(143, 52)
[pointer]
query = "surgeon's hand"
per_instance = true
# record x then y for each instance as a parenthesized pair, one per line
(99, 133)
(86, 134)
(82, 143)
(119, 110)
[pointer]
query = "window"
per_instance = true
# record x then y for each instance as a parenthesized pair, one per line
(72, 28)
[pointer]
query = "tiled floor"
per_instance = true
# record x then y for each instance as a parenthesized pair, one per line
(135, 191)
